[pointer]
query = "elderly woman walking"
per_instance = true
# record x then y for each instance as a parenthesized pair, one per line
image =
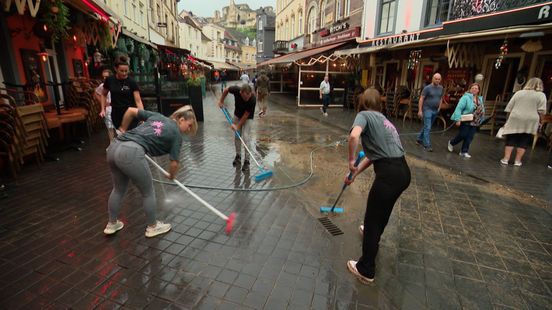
(525, 109)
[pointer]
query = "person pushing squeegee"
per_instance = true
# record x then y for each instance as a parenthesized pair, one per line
(244, 109)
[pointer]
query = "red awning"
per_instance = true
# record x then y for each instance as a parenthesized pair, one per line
(292, 57)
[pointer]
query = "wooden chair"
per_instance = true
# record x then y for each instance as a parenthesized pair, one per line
(412, 107)
(35, 130)
(546, 119)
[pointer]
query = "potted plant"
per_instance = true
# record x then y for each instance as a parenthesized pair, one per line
(196, 99)
(56, 18)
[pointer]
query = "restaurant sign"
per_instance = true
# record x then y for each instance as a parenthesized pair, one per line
(401, 38)
(334, 29)
(346, 35)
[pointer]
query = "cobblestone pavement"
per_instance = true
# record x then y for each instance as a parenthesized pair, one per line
(452, 242)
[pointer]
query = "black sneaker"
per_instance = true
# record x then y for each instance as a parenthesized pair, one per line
(419, 143)
(245, 166)
(237, 160)
(428, 149)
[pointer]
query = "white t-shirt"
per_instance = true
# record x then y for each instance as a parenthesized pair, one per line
(244, 78)
(325, 87)
(100, 90)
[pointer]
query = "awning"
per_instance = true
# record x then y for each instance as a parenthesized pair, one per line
(222, 65)
(137, 38)
(292, 57)
(174, 50)
(357, 50)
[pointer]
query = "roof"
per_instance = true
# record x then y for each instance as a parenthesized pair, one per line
(292, 57)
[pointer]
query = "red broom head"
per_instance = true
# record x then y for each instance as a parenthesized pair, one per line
(230, 223)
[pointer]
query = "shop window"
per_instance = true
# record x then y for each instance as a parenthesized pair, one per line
(346, 8)
(388, 12)
(436, 12)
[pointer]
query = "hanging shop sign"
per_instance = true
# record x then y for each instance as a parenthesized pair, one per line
(339, 27)
(346, 35)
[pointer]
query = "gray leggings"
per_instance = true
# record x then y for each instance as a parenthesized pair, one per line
(127, 162)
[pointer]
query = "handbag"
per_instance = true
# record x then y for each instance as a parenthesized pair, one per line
(500, 133)
(466, 117)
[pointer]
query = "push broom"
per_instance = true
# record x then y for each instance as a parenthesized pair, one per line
(229, 219)
(263, 173)
(333, 209)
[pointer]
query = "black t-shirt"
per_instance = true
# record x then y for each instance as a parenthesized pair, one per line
(240, 105)
(122, 91)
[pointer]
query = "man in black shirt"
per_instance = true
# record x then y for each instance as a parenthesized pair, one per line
(244, 109)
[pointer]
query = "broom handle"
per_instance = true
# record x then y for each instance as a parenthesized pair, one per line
(205, 203)
(239, 136)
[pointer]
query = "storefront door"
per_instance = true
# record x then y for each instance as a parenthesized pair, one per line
(391, 75)
(53, 77)
(500, 82)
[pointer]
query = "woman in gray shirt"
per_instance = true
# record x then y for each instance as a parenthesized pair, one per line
(383, 148)
(157, 135)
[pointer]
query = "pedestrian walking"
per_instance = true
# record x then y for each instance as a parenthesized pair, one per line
(223, 77)
(107, 108)
(157, 135)
(263, 90)
(468, 116)
(526, 109)
(325, 94)
(382, 146)
(428, 109)
(124, 93)
(244, 110)
(244, 78)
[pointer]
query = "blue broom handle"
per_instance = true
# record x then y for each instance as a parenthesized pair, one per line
(359, 158)
(228, 118)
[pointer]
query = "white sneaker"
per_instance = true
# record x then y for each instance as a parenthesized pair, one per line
(158, 229)
(110, 229)
(450, 147)
(361, 230)
(325, 113)
(504, 161)
(549, 166)
(465, 155)
(517, 163)
(351, 265)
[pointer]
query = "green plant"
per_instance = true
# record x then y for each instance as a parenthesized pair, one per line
(56, 17)
(105, 34)
(193, 82)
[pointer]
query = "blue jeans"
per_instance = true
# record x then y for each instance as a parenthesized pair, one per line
(465, 134)
(223, 85)
(325, 102)
(429, 118)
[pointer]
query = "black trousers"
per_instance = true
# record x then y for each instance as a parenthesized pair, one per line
(392, 178)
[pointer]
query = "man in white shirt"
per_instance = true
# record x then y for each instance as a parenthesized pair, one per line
(244, 78)
(325, 94)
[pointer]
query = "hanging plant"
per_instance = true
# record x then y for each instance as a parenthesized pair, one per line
(130, 46)
(56, 17)
(104, 33)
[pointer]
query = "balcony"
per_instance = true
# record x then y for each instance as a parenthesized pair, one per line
(280, 47)
(469, 8)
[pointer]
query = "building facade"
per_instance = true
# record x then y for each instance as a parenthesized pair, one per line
(191, 37)
(289, 25)
(163, 24)
(236, 16)
(265, 26)
(134, 15)
(215, 51)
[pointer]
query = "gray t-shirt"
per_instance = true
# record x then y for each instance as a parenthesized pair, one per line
(379, 137)
(432, 96)
(158, 135)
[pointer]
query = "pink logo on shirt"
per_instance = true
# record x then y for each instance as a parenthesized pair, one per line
(157, 127)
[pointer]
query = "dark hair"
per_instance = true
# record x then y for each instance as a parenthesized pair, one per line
(246, 89)
(369, 100)
(121, 61)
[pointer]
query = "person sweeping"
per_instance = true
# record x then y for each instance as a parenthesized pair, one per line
(383, 149)
(244, 109)
(156, 136)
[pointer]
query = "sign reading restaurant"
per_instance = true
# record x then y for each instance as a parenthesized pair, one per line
(401, 38)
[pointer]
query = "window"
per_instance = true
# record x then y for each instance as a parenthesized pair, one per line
(286, 30)
(260, 47)
(134, 12)
(436, 12)
(323, 13)
(260, 24)
(346, 8)
(141, 14)
(337, 10)
(300, 24)
(311, 20)
(125, 4)
(292, 30)
(158, 15)
(387, 15)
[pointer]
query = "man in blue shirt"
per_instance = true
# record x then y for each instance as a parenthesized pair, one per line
(428, 109)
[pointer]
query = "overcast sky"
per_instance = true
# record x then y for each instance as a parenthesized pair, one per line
(206, 8)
